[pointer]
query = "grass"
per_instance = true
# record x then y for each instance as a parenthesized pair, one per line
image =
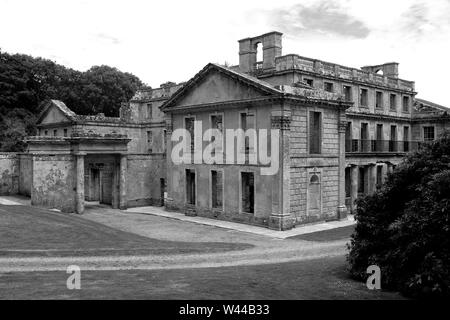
(314, 279)
(29, 231)
(327, 235)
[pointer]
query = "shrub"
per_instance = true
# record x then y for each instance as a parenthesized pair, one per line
(404, 227)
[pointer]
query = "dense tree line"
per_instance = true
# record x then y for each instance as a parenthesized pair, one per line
(26, 81)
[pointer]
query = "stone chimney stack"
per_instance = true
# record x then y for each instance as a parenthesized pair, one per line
(271, 46)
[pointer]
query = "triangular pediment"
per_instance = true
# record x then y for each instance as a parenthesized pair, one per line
(215, 84)
(55, 111)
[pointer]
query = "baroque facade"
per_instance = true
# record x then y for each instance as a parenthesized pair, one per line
(341, 130)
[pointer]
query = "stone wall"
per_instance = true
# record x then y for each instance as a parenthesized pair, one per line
(26, 174)
(303, 166)
(54, 182)
(144, 176)
(9, 173)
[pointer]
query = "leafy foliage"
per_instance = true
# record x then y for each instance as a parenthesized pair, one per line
(404, 227)
(26, 81)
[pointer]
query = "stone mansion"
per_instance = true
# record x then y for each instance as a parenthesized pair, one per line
(341, 131)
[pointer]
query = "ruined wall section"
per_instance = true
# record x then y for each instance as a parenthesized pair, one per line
(9, 173)
(54, 182)
(144, 179)
(25, 174)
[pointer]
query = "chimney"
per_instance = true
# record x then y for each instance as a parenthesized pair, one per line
(271, 46)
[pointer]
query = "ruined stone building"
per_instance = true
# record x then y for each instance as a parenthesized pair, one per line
(341, 130)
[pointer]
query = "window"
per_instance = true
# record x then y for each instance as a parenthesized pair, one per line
(164, 140)
(65, 132)
(217, 123)
(248, 122)
(55, 133)
(149, 111)
(379, 99)
(190, 186)
(347, 93)
(363, 98)
(328, 86)
(362, 180)
(405, 104)
(379, 177)
(393, 139)
(315, 137)
(406, 139)
(309, 82)
(393, 102)
(189, 126)
(364, 134)
(149, 141)
(348, 182)
(46, 133)
(248, 192)
(216, 189)
(428, 133)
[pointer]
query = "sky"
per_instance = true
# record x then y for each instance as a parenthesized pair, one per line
(170, 40)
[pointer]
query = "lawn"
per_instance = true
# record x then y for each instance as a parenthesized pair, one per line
(29, 231)
(327, 235)
(324, 278)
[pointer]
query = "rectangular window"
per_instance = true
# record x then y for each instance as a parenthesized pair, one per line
(248, 122)
(379, 177)
(150, 141)
(189, 126)
(405, 104)
(428, 133)
(379, 100)
(217, 123)
(347, 93)
(365, 142)
(216, 189)
(164, 140)
(315, 132)
(149, 111)
(362, 180)
(348, 183)
(45, 133)
(393, 139)
(363, 97)
(309, 82)
(65, 132)
(248, 192)
(379, 138)
(190, 186)
(406, 139)
(393, 102)
(55, 133)
(328, 86)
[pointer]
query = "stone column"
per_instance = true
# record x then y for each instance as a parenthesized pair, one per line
(281, 218)
(168, 202)
(79, 197)
(115, 186)
(341, 209)
(123, 182)
(354, 170)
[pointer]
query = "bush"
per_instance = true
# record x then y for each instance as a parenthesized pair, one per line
(404, 227)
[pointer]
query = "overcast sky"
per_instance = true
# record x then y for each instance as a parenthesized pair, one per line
(171, 40)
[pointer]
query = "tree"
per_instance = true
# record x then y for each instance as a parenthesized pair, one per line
(404, 227)
(26, 81)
